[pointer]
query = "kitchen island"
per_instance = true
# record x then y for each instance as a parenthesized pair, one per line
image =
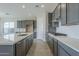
(15, 44)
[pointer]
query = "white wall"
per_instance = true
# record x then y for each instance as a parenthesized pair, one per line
(41, 26)
(71, 31)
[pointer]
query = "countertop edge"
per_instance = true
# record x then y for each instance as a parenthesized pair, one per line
(14, 42)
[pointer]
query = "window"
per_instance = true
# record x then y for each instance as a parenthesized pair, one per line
(8, 27)
(9, 30)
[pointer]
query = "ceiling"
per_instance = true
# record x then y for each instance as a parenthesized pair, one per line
(29, 11)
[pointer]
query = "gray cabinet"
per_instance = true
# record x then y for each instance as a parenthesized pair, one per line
(72, 13)
(7, 50)
(53, 45)
(51, 27)
(63, 18)
(57, 12)
(24, 23)
(66, 13)
(28, 44)
(34, 34)
(56, 16)
(50, 43)
(69, 13)
(55, 53)
(49, 22)
(61, 51)
(59, 48)
(19, 24)
(20, 48)
(34, 28)
(68, 49)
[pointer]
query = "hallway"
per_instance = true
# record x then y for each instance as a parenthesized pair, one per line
(39, 48)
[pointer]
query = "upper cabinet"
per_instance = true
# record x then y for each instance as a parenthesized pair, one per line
(57, 12)
(56, 16)
(69, 13)
(66, 13)
(21, 24)
(63, 11)
(73, 13)
(24, 23)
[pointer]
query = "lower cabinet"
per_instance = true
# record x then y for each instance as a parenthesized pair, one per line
(52, 43)
(7, 50)
(60, 49)
(68, 50)
(20, 48)
(55, 53)
(23, 46)
(34, 35)
(62, 52)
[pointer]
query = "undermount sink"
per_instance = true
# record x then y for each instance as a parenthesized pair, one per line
(60, 34)
(22, 34)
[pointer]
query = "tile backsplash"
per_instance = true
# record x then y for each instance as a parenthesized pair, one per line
(71, 31)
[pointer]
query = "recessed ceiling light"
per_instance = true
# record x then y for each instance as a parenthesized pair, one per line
(42, 6)
(36, 5)
(23, 6)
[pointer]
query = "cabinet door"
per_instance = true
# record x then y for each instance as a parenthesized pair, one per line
(47, 39)
(73, 13)
(61, 51)
(7, 50)
(20, 48)
(63, 14)
(18, 24)
(59, 10)
(56, 13)
(55, 47)
(29, 41)
(26, 44)
(34, 35)
(49, 22)
(51, 44)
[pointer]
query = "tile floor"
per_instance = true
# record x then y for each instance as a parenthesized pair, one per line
(39, 48)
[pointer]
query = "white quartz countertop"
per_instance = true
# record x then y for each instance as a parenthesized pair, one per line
(13, 38)
(71, 42)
